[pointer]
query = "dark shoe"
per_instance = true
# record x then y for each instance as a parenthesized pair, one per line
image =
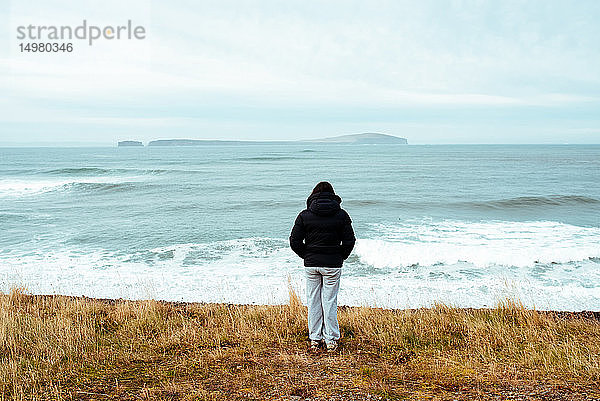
(332, 346)
(315, 345)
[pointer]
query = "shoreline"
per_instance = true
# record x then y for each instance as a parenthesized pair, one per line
(585, 314)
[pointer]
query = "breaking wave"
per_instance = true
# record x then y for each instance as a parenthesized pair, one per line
(524, 202)
(481, 244)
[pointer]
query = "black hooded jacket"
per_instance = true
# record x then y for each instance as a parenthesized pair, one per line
(322, 234)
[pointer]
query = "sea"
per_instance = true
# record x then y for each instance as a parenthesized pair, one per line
(461, 225)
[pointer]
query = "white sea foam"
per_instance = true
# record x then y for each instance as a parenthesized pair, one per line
(256, 270)
(28, 187)
(239, 271)
(482, 244)
(14, 188)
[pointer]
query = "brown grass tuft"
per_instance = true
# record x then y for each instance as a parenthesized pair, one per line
(57, 347)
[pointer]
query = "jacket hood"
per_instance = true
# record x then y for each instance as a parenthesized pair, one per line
(323, 203)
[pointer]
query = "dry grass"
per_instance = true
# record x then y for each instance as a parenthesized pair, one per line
(55, 347)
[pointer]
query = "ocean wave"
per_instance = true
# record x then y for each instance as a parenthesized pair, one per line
(79, 171)
(257, 270)
(19, 188)
(533, 201)
(249, 186)
(15, 171)
(236, 252)
(522, 202)
(267, 158)
(94, 171)
(373, 202)
(102, 186)
(482, 244)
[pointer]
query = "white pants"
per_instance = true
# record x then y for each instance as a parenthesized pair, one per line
(322, 286)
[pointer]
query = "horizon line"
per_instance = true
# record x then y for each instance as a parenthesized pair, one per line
(267, 141)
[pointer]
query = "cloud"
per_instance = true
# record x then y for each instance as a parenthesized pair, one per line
(339, 57)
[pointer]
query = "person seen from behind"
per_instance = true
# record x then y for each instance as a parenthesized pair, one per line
(323, 236)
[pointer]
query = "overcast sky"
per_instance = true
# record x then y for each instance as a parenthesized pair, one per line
(432, 71)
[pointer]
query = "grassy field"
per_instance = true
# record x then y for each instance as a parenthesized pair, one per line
(55, 347)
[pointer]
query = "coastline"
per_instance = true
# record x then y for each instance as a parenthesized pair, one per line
(560, 314)
(66, 347)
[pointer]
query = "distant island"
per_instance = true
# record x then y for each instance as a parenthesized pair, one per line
(130, 143)
(353, 139)
(367, 138)
(193, 142)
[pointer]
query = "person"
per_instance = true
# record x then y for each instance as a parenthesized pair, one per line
(323, 236)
